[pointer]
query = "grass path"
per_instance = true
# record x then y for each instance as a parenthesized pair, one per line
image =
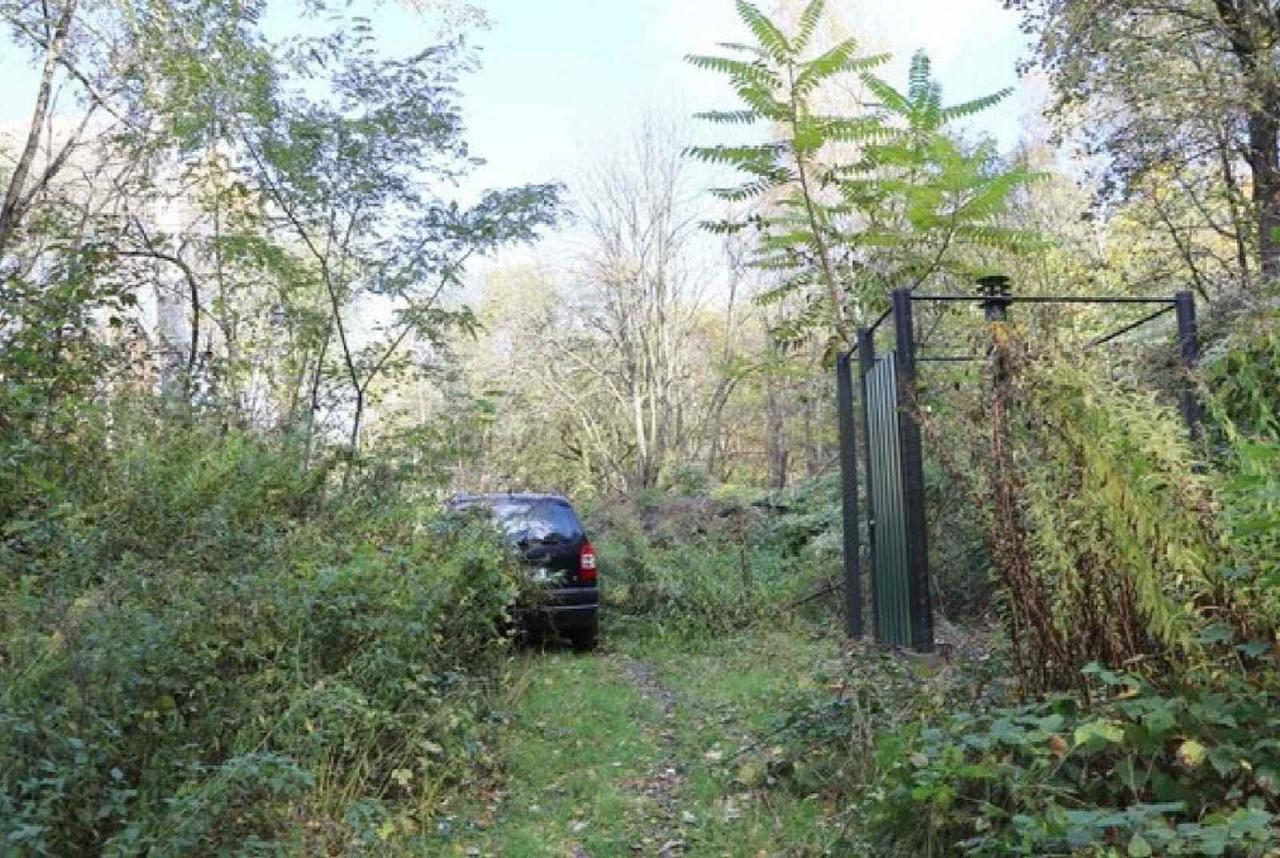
(652, 748)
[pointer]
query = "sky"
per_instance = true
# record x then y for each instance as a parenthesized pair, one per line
(561, 76)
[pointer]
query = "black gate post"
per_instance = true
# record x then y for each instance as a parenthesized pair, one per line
(913, 474)
(866, 362)
(849, 494)
(1189, 347)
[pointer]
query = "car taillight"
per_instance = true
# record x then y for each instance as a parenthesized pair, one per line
(587, 564)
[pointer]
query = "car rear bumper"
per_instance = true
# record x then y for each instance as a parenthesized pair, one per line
(566, 609)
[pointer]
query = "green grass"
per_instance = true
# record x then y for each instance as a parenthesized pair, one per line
(577, 740)
(584, 741)
(730, 694)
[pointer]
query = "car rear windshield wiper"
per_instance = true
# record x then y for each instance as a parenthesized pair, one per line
(547, 539)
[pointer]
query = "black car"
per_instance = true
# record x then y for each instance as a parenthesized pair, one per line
(556, 553)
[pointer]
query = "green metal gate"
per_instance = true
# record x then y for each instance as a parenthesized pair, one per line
(890, 443)
(890, 561)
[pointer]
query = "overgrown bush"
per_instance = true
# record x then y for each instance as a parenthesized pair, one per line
(959, 568)
(1108, 528)
(1244, 397)
(699, 565)
(1126, 548)
(923, 759)
(1243, 376)
(1137, 772)
(206, 647)
(1152, 562)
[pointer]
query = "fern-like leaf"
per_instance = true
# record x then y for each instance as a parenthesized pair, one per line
(919, 78)
(748, 191)
(991, 198)
(776, 295)
(762, 101)
(739, 70)
(1001, 238)
(771, 39)
(728, 117)
(755, 158)
(742, 48)
(840, 58)
(892, 100)
(860, 129)
(977, 105)
(809, 20)
(724, 227)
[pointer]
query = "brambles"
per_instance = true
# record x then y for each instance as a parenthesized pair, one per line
(695, 565)
(203, 648)
(1177, 772)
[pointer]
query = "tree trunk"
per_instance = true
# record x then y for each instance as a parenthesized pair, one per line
(1264, 161)
(314, 405)
(776, 435)
(1251, 28)
(11, 209)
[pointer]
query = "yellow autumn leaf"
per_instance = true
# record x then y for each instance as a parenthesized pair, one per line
(1191, 753)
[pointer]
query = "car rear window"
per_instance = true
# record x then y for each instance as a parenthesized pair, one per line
(526, 519)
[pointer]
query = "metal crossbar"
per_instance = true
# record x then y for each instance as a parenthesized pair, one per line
(1132, 326)
(1043, 299)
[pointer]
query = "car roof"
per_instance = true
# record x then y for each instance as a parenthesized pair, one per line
(501, 496)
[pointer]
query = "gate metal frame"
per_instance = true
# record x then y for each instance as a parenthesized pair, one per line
(994, 299)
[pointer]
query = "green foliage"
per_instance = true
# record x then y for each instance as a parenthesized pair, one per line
(695, 566)
(1245, 376)
(1252, 516)
(933, 202)
(313, 172)
(937, 760)
(51, 351)
(1138, 772)
(959, 563)
(694, 584)
(361, 177)
(1116, 540)
(1154, 94)
(1149, 558)
(1243, 381)
(1125, 544)
(202, 650)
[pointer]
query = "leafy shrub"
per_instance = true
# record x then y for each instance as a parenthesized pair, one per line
(1136, 772)
(204, 647)
(804, 518)
(1244, 376)
(1244, 408)
(687, 479)
(1153, 557)
(695, 565)
(941, 760)
(959, 567)
(1104, 522)
(701, 585)
(1125, 547)
(832, 726)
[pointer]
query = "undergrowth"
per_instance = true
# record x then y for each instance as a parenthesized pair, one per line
(944, 760)
(1149, 727)
(697, 565)
(208, 647)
